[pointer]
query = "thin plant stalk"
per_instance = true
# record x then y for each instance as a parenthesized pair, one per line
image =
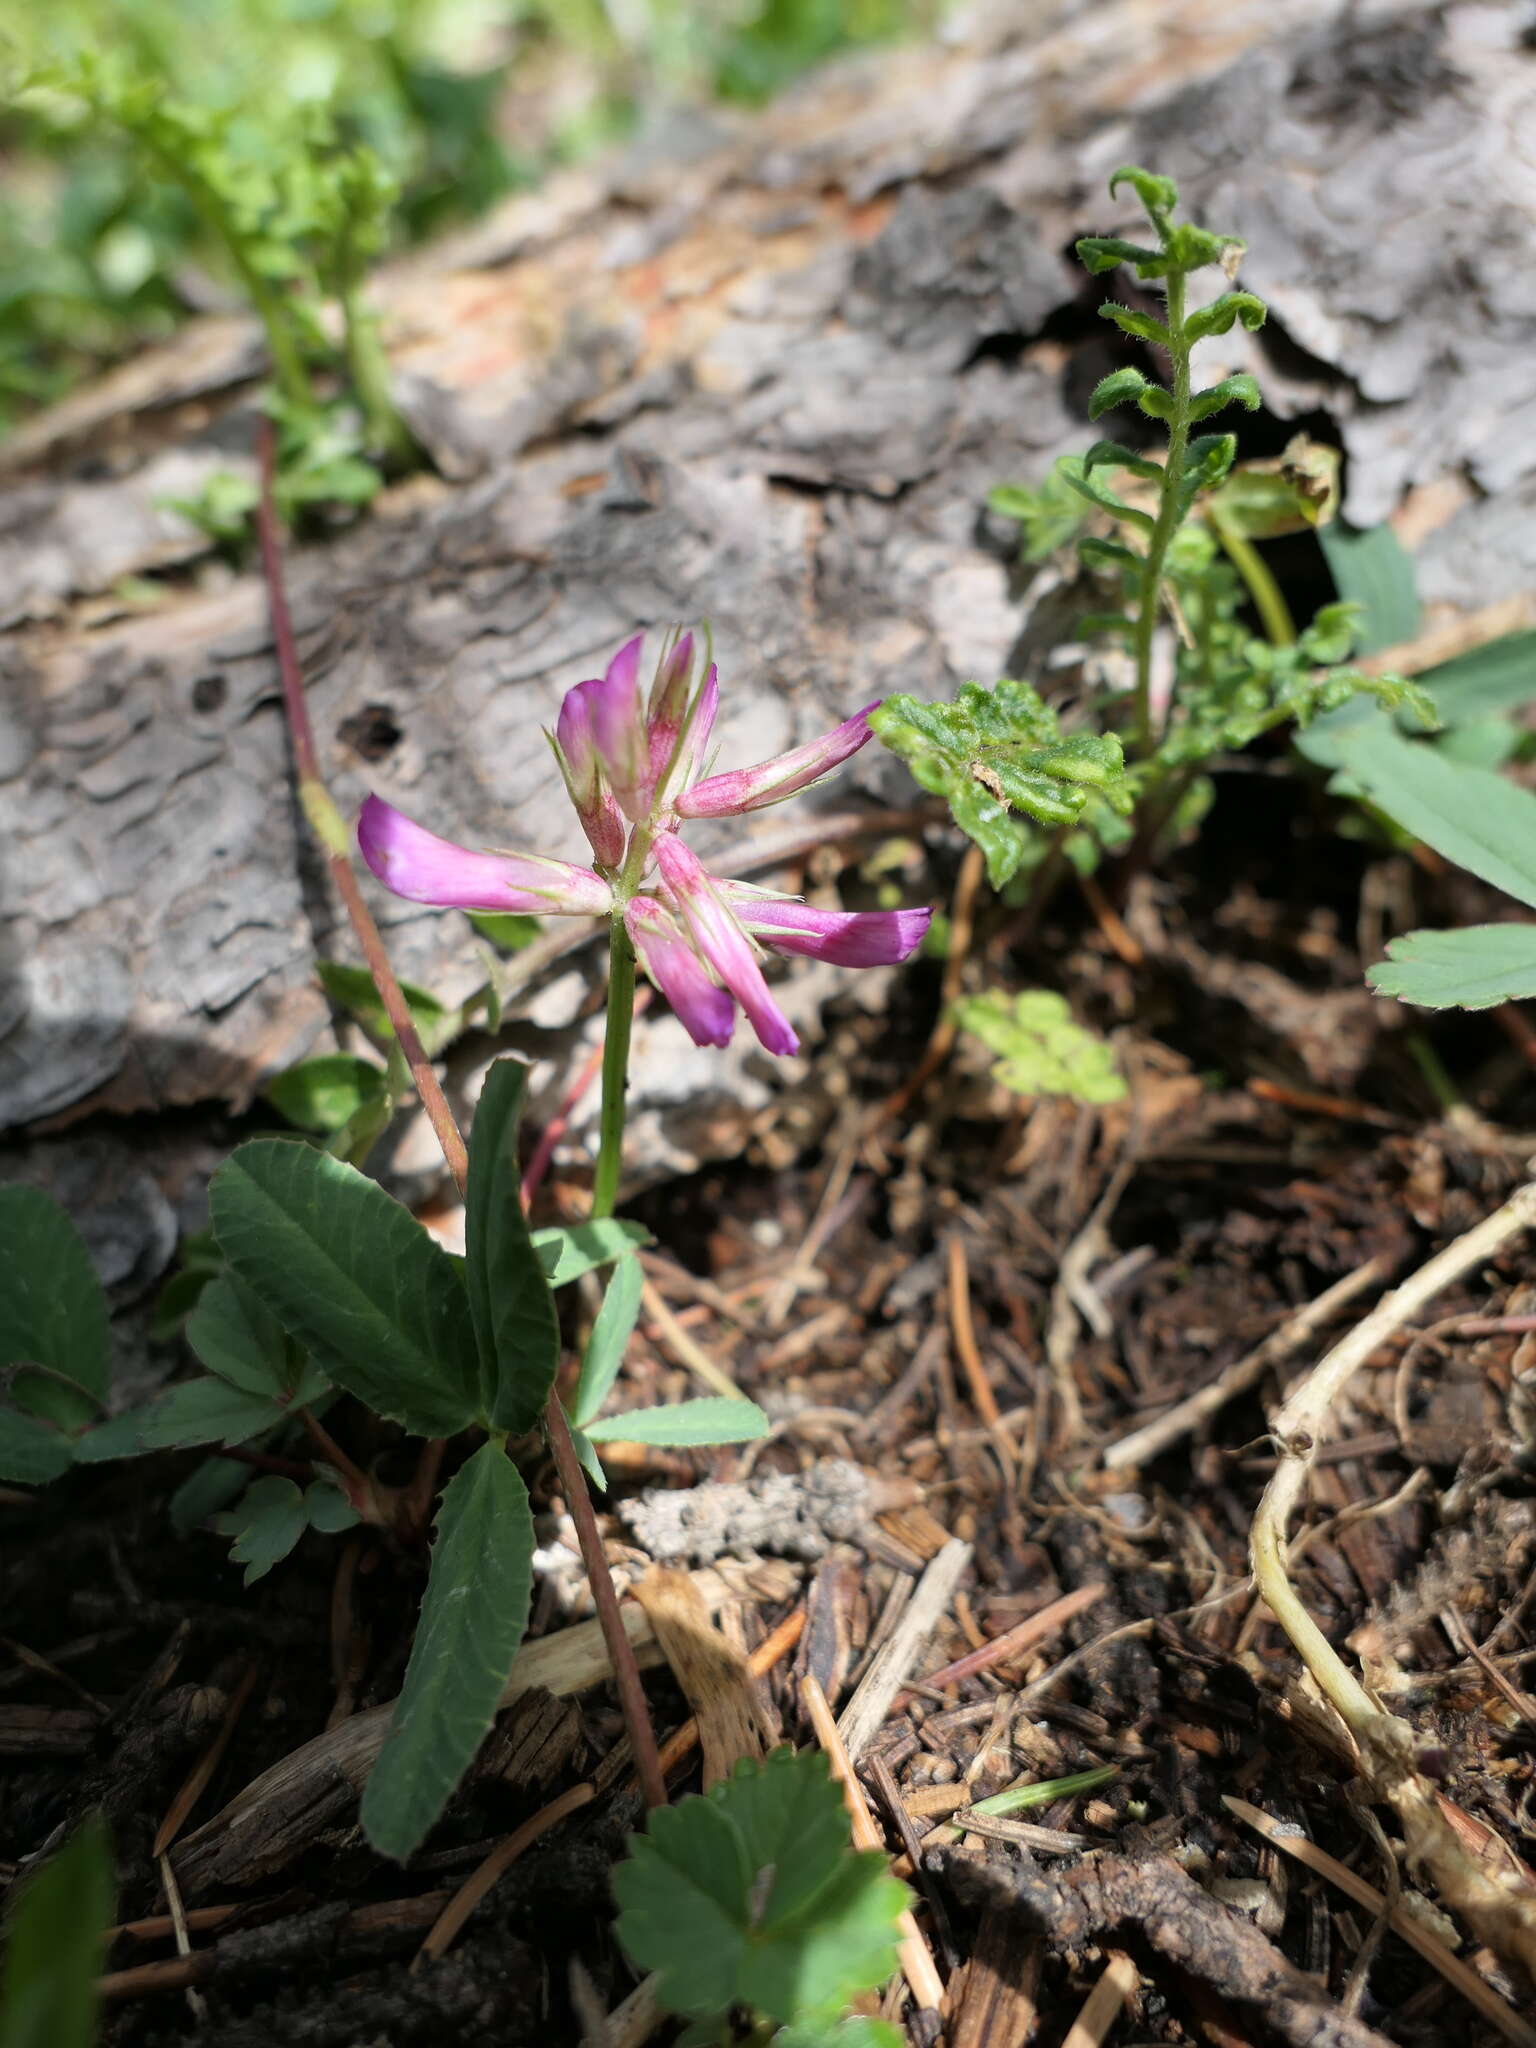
(1166, 522)
(620, 1020)
(326, 823)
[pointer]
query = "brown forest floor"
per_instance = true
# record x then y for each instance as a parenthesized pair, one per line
(1280, 1135)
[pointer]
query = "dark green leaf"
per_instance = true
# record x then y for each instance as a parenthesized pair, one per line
(472, 1620)
(327, 1508)
(48, 1995)
(567, 1252)
(204, 1412)
(265, 1525)
(1470, 969)
(213, 1485)
(752, 1896)
(714, 1419)
(612, 1329)
(355, 1278)
(325, 1093)
(854, 2033)
(239, 1339)
(509, 1297)
(1372, 569)
(32, 1452)
(52, 1311)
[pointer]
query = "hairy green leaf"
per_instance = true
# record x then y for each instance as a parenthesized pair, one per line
(1105, 454)
(1218, 317)
(53, 1313)
(1042, 1050)
(48, 1988)
(752, 1896)
(1157, 194)
(355, 1278)
(1469, 815)
(473, 1615)
(509, 1297)
(1240, 389)
(1115, 389)
(1141, 325)
(995, 749)
(568, 1251)
(713, 1419)
(1098, 253)
(1471, 969)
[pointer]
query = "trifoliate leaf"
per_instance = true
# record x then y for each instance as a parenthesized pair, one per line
(1043, 1051)
(751, 1895)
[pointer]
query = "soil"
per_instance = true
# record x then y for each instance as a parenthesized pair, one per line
(1279, 1134)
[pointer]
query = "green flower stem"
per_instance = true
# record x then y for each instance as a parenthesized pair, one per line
(1167, 513)
(621, 1011)
(642, 1736)
(1272, 608)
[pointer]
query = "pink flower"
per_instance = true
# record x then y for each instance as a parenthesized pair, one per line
(418, 865)
(629, 768)
(770, 782)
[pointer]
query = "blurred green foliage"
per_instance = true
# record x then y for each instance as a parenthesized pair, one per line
(457, 102)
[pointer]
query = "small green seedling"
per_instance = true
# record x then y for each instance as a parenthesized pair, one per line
(750, 1899)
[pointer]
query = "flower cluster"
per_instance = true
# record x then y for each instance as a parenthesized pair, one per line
(632, 762)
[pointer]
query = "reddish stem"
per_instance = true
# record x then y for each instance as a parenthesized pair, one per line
(326, 823)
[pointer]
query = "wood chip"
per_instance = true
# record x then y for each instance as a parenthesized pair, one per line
(714, 1676)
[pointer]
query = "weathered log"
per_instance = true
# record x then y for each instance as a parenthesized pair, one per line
(764, 373)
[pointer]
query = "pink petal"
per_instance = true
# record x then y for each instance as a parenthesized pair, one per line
(705, 1012)
(416, 864)
(721, 940)
(770, 782)
(846, 938)
(592, 800)
(618, 728)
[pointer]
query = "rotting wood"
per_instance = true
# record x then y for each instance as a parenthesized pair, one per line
(892, 1664)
